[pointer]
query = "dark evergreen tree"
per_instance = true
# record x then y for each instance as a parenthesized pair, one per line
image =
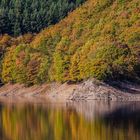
(22, 16)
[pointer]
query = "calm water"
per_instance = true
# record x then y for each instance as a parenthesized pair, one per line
(74, 121)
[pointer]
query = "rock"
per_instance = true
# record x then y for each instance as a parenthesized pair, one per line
(87, 90)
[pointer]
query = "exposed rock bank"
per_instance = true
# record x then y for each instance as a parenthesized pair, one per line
(117, 91)
(88, 90)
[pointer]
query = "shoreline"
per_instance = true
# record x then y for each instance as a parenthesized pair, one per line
(61, 93)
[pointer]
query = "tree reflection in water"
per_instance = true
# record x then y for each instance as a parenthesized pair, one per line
(72, 121)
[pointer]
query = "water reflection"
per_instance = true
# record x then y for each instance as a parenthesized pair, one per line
(72, 121)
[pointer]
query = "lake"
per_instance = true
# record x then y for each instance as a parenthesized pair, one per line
(71, 121)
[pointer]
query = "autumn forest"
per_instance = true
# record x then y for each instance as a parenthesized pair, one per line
(99, 39)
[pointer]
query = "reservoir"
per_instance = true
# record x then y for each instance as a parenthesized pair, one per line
(70, 121)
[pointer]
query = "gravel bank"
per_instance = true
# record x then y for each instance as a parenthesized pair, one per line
(88, 90)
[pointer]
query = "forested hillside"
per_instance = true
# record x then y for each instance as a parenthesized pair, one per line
(21, 16)
(100, 39)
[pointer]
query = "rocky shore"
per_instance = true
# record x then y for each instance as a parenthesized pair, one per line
(85, 91)
(116, 91)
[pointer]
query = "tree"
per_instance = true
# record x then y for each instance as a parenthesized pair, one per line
(18, 17)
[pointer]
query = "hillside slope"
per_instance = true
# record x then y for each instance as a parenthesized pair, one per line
(100, 39)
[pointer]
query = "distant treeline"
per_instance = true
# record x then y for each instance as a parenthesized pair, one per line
(21, 16)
